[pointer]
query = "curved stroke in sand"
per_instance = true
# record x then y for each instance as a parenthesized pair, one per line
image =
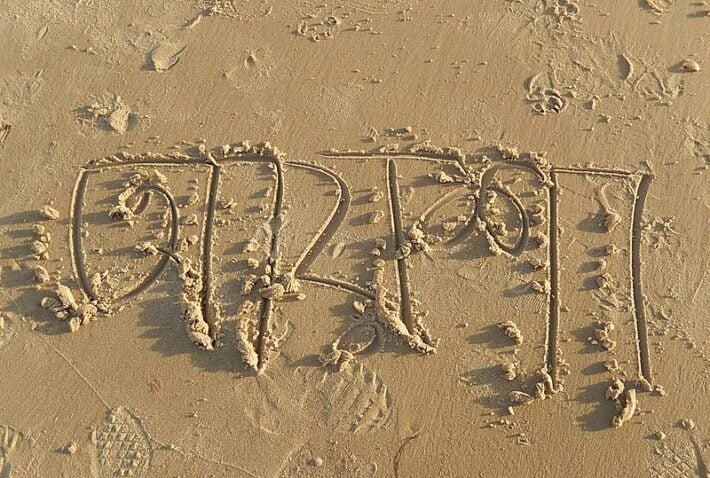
(76, 237)
(326, 233)
(479, 210)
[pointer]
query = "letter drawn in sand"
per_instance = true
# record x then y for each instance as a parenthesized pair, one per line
(149, 198)
(537, 226)
(160, 201)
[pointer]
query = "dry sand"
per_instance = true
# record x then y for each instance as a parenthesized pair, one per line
(363, 238)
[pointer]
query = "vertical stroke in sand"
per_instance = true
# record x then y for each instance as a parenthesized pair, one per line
(553, 314)
(641, 328)
(402, 273)
(76, 243)
(637, 289)
(209, 310)
(267, 304)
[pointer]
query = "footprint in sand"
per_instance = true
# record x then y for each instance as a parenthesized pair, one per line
(11, 438)
(123, 447)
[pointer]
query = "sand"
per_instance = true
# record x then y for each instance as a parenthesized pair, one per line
(369, 238)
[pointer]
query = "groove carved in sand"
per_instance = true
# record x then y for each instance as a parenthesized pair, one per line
(256, 337)
(485, 185)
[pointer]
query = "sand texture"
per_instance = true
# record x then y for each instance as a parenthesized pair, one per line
(368, 238)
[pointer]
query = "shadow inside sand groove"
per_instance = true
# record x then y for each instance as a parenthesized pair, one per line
(600, 418)
(495, 393)
(161, 317)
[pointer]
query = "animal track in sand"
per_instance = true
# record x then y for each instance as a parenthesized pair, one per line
(327, 21)
(559, 18)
